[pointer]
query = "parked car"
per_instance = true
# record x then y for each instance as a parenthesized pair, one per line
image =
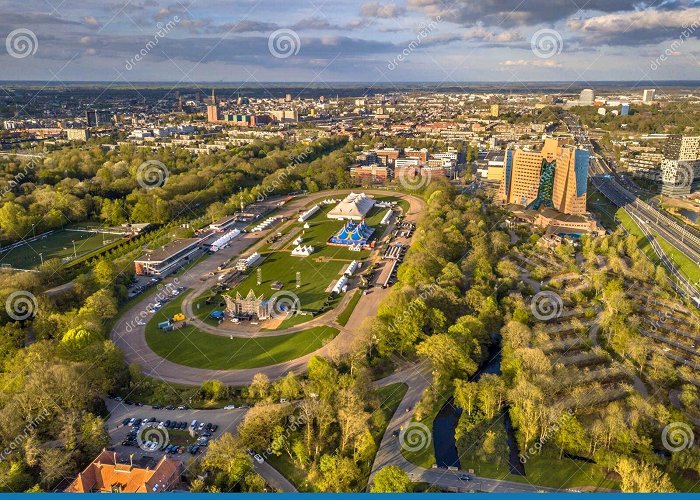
(193, 425)
(258, 458)
(126, 421)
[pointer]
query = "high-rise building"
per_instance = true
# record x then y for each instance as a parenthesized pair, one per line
(624, 109)
(648, 96)
(555, 177)
(586, 97)
(212, 109)
(98, 117)
(680, 168)
(495, 110)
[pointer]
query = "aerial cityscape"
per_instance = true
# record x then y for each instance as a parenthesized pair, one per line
(392, 246)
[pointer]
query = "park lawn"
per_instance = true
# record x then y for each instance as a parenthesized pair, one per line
(546, 469)
(191, 347)
(542, 469)
(58, 245)
(344, 316)
(390, 396)
(316, 276)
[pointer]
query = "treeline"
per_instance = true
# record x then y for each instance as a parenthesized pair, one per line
(672, 118)
(75, 185)
(443, 309)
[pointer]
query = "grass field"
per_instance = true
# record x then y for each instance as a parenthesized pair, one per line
(686, 266)
(58, 245)
(191, 347)
(317, 271)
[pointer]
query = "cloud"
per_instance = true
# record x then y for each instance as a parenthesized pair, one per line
(383, 11)
(639, 27)
(509, 13)
(540, 63)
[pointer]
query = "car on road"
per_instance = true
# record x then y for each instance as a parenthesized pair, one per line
(464, 477)
(258, 458)
(230, 407)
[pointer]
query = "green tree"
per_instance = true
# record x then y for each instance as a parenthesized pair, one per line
(391, 479)
(226, 454)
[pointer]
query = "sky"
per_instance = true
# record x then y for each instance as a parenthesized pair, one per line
(323, 41)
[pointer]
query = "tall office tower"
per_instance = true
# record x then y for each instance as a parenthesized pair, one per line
(212, 109)
(625, 109)
(680, 168)
(648, 96)
(586, 98)
(98, 117)
(555, 177)
(495, 110)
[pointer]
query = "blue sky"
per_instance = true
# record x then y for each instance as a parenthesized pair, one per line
(341, 40)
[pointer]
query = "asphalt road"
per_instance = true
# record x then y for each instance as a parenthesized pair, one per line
(130, 336)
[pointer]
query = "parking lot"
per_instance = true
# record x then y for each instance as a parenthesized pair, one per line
(178, 433)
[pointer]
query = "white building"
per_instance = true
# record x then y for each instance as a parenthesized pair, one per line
(355, 206)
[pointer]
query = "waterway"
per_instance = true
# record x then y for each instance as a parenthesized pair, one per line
(446, 421)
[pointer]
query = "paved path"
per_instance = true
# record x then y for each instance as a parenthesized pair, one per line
(418, 377)
(130, 336)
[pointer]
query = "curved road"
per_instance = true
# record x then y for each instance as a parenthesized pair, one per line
(131, 338)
